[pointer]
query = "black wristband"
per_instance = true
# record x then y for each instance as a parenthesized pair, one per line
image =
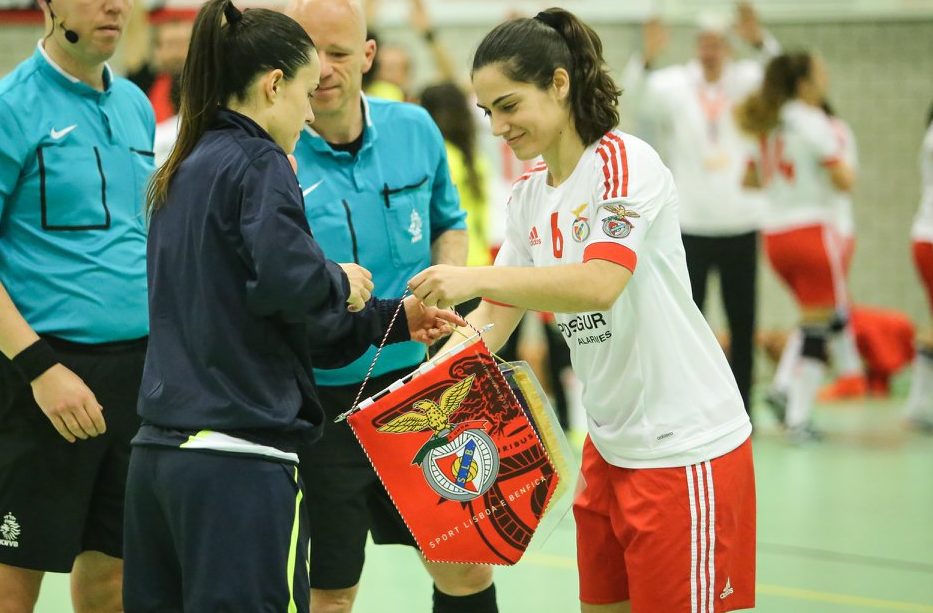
(34, 360)
(428, 35)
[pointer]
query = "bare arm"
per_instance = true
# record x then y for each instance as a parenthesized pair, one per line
(450, 248)
(421, 22)
(573, 288)
(64, 398)
(15, 333)
(504, 319)
(842, 176)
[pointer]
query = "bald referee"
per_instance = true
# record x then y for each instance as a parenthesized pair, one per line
(75, 157)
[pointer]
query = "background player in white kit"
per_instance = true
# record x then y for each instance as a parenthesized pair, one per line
(801, 163)
(919, 408)
(689, 109)
(657, 388)
(847, 364)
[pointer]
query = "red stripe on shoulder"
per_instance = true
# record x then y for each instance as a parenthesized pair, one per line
(615, 166)
(623, 162)
(530, 173)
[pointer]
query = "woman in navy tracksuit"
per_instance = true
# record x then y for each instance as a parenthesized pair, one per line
(242, 303)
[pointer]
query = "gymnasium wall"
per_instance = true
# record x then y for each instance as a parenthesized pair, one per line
(881, 81)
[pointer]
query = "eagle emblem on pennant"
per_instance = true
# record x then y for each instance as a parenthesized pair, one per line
(459, 461)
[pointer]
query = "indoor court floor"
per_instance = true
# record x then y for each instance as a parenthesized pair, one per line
(844, 526)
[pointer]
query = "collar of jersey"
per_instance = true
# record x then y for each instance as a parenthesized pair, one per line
(317, 142)
(58, 75)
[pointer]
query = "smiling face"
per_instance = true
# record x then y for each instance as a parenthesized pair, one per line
(291, 104)
(99, 25)
(529, 118)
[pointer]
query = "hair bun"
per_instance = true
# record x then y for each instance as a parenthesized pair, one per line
(232, 13)
(549, 19)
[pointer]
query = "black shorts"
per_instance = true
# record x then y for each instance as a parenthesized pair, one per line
(210, 531)
(62, 498)
(345, 498)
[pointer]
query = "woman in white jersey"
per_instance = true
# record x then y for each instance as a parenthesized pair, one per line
(919, 409)
(593, 235)
(850, 380)
(800, 164)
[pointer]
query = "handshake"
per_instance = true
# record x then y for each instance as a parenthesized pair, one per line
(426, 324)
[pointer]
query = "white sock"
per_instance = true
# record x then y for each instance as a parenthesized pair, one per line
(920, 397)
(790, 359)
(802, 391)
(844, 352)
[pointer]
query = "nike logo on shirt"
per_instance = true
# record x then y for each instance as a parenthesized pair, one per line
(60, 134)
(312, 188)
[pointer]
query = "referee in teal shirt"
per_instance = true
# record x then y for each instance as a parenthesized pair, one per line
(75, 159)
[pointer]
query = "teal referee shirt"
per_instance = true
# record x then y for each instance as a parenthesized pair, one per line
(74, 166)
(381, 209)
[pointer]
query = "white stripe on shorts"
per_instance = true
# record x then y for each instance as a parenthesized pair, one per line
(702, 500)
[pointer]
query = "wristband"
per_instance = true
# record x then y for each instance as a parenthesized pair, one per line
(34, 360)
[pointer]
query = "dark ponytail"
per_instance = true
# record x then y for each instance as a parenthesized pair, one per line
(530, 50)
(760, 112)
(228, 49)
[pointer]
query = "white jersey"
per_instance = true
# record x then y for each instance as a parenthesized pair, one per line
(166, 133)
(923, 223)
(843, 215)
(657, 389)
(793, 163)
(701, 141)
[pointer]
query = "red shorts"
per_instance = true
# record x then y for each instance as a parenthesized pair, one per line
(923, 258)
(810, 262)
(670, 540)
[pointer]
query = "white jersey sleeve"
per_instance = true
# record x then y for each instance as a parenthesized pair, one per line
(816, 130)
(631, 186)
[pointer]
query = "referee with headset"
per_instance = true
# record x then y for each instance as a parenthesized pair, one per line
(75, 158)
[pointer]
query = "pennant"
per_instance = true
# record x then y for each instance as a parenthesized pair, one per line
(460, 459)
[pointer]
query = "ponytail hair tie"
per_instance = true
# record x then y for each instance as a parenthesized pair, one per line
(232, 13)
(549, 19)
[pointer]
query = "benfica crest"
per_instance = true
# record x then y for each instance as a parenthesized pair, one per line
(459, 462)
(460, 458)
(618, 225)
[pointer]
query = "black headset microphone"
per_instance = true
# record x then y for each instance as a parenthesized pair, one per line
(70, 35)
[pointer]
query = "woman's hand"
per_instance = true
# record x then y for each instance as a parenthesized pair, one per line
(361, 286)
(427, 324)
(445, 286)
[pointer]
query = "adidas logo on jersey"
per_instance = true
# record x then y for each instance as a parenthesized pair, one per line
(533, 237)
(727, 591)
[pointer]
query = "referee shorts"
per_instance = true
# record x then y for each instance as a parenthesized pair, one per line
(58, 499)
(346, 499)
